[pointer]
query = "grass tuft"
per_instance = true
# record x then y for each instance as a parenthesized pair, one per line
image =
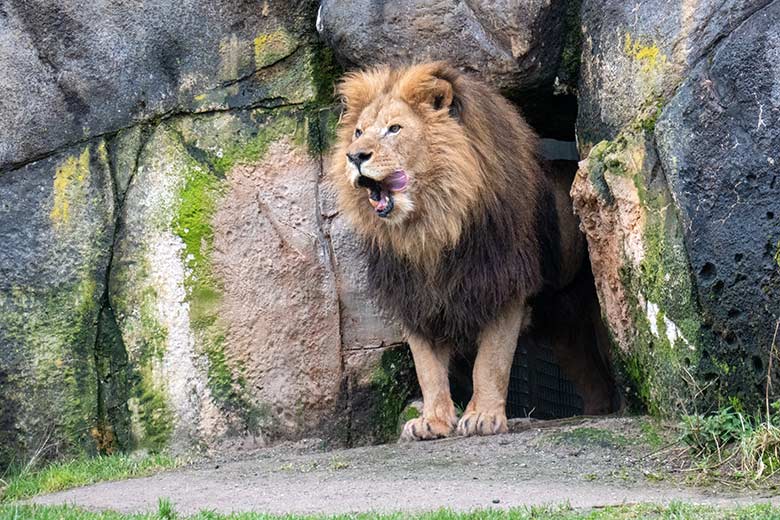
(676, 511)
(745, 446)
(166, 510)
(58, 476)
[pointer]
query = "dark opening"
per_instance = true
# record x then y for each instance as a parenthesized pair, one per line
(561, 367)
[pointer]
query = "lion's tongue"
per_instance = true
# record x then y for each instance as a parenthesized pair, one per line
(379, 195)
(396, 181)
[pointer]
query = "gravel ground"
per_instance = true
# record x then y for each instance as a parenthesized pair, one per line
(586, 463)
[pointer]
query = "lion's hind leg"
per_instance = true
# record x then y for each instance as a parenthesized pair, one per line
(432, 365)
(486, 412)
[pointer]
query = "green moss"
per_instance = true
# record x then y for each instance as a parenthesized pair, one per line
(572, 44)
(325, 123)
(153, 335)
(198, 200)
(666, 335)
(113, 431)
(50, 382)
(271, 47)
(393, 382)
(409, 413)
(48, 378)
(777, 254)
(589, 436)
(325, 71)
(222, 155)
(648, 115)
(216, 144)
(153, 411)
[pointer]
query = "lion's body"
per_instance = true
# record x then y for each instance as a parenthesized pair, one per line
(489, 268)
(475, 236)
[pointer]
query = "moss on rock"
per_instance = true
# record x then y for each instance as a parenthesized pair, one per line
(660, 342)
(150, 404)
(393, 382)
(271, 47)
(49, 307)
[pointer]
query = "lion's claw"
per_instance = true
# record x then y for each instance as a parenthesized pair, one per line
(482, 423)
(422, 429)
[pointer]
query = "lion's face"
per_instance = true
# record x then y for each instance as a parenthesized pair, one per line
(386, 155)
(406, 166)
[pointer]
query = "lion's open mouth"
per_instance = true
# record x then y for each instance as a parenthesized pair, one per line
(380, 194)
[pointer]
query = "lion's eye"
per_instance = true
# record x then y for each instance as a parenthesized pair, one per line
(358, 132)
(393, 129)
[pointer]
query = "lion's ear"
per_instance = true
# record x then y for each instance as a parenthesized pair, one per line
(434, 92)
(357, 89)
(429, 85)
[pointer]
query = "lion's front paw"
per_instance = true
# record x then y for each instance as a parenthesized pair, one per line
(424, 429)
(482, 423)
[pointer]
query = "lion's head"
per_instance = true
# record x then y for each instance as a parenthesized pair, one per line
(417, 155)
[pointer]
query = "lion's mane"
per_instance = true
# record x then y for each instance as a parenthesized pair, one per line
(485, 232)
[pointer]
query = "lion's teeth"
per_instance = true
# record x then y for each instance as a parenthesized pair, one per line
(382, 204)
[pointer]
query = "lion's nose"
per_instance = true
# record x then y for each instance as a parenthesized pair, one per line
(359, 158)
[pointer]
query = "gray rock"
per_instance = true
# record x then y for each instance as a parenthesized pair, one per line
(634, 55)
(679, 111)
(56, 227)
(227, 298)
(719, 139)
(514, 45)
(72, 70)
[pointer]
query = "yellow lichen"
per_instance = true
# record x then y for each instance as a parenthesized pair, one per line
(649, 57)
(272, 47)
(70, 176)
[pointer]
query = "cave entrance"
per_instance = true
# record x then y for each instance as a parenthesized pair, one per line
(561, 367)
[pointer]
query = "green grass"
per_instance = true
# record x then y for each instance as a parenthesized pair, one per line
(78, 472)
(589, 436)
(166, 511)
(730, 441)
(652, 433)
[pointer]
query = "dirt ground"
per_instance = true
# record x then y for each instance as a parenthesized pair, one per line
(586, 463)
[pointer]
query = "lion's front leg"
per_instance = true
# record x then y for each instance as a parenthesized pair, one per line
(486, 412)
(432, 365)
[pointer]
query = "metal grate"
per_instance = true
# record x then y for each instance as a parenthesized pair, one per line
(537, 387)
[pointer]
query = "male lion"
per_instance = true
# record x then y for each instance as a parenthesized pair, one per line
(439, 175)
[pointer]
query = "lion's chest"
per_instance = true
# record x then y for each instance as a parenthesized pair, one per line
(469, 287)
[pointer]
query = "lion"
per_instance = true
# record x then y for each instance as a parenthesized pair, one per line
(440, 178)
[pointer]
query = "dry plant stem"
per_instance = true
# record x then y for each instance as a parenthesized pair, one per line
(772, 351)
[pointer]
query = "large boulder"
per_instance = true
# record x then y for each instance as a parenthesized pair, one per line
(514, 45)
(634, 55)
(72, 70)
(678, 196)
(719, 140)
(223, 285)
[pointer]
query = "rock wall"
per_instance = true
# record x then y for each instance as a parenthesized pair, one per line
(679, 195)
(174, 273)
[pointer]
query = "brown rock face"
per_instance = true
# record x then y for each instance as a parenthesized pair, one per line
(611, 225)
(279, 287)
